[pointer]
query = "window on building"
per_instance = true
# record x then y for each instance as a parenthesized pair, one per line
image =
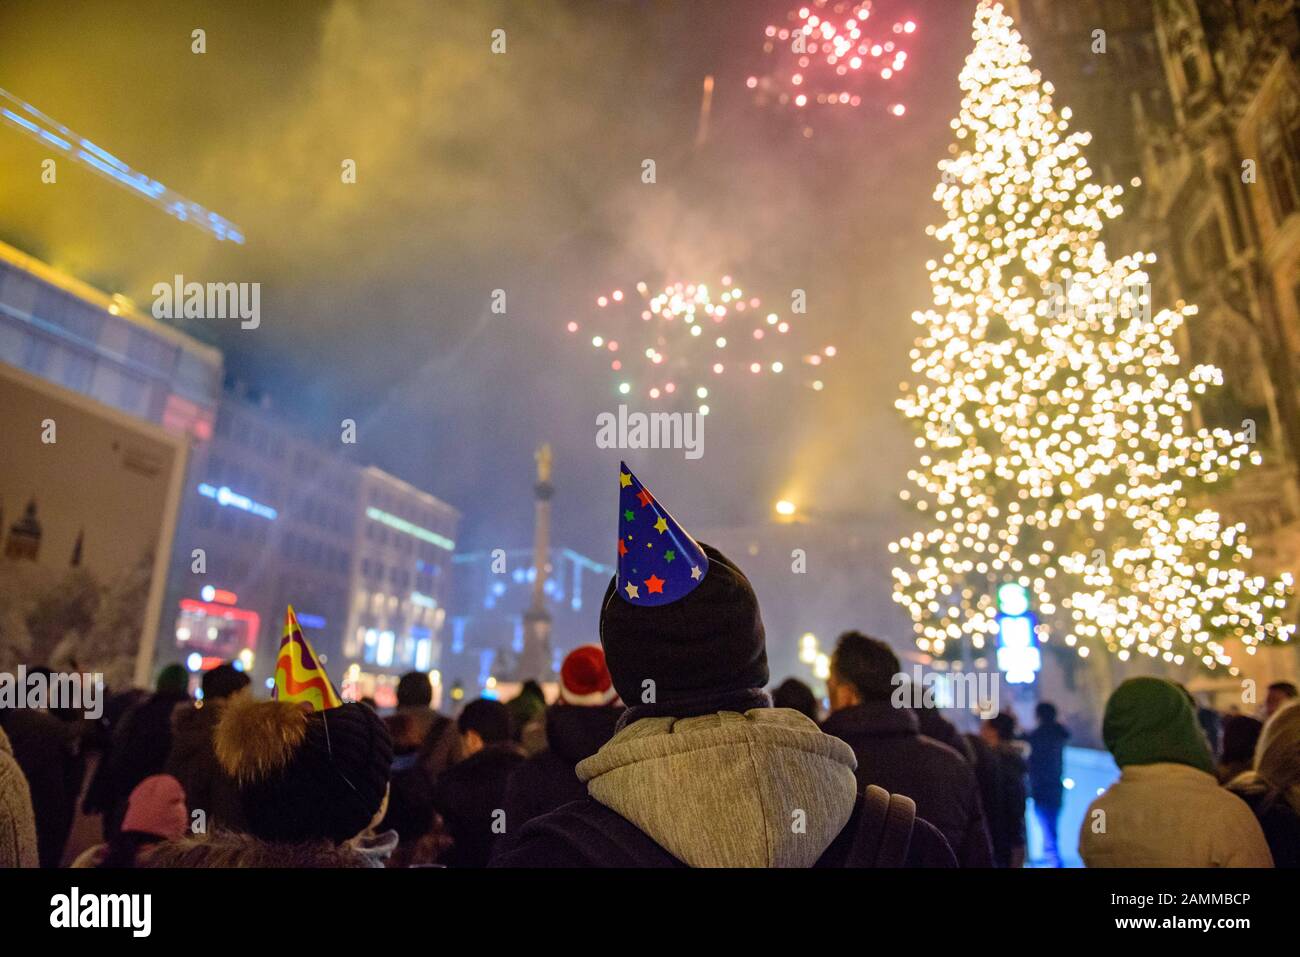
(1190, 64)
(1227, 189)
(77, 371)
(1295, 295)
(1281, 189)
(1207, 244)
(1279, 160)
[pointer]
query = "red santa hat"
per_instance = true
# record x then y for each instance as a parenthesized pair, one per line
(584, 679)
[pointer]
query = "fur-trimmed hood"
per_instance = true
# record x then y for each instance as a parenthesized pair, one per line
(225, 849)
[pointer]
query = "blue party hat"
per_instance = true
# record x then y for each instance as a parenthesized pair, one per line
(658, 562)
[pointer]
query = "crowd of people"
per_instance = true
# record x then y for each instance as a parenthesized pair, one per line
(662, 748)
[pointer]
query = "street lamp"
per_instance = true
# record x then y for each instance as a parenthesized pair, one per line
(822, 667)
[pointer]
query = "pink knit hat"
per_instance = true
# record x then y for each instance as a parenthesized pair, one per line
(584, 678)
(157, 806)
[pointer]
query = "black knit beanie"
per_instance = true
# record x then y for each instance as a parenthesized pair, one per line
(709, 642)
(302, 775)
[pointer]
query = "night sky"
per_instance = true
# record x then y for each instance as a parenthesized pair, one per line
(519, 171)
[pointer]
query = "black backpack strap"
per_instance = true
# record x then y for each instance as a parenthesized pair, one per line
(601, 836)
(884, 832)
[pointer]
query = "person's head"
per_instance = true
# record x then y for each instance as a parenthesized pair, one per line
(999, 729)
(483, 722)
(1045, 712)
(532, 689)
(1278, 694)
(797, 696)
(155, 812)
(173, 680)
(710, 642)
(862, 671)
(414, 690)
(585, 680)
(157, 807)
(1152, 721)
(221, 682)
(305, 775)
(1240, 735)
(1277, 755)
(406, 732)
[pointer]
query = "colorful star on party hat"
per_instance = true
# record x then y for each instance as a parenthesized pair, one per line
(298, 674)
(658, 562)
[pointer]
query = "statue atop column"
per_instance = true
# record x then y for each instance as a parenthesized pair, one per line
(535, 660)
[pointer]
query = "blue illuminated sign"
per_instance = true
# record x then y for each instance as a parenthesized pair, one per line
(410, 528)
(1019, 656)
(225, 497)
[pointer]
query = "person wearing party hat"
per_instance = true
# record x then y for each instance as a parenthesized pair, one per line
(578, 724)
(703, 771)
(309, 768)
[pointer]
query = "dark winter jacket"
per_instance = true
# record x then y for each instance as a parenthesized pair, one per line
(1047, 763)
(893, 754)
(193, 762)
(1277, 818)
(1001, 774)
(46, 749)
(439, 741)
(423, 837)
(141, 743)
(931, 723)
(469, 796)
(548, 780)
(760, 789)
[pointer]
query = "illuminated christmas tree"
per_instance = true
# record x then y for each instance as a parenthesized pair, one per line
(1053, 409)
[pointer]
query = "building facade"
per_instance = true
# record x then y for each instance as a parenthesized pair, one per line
(402, 543)
(267, 517)
(280, 520)
(102, 346)
(267, 520)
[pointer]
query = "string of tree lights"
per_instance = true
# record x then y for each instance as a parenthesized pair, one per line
(1052, 409)
(675, 344)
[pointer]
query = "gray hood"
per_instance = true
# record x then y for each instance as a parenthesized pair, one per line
(761, 789)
